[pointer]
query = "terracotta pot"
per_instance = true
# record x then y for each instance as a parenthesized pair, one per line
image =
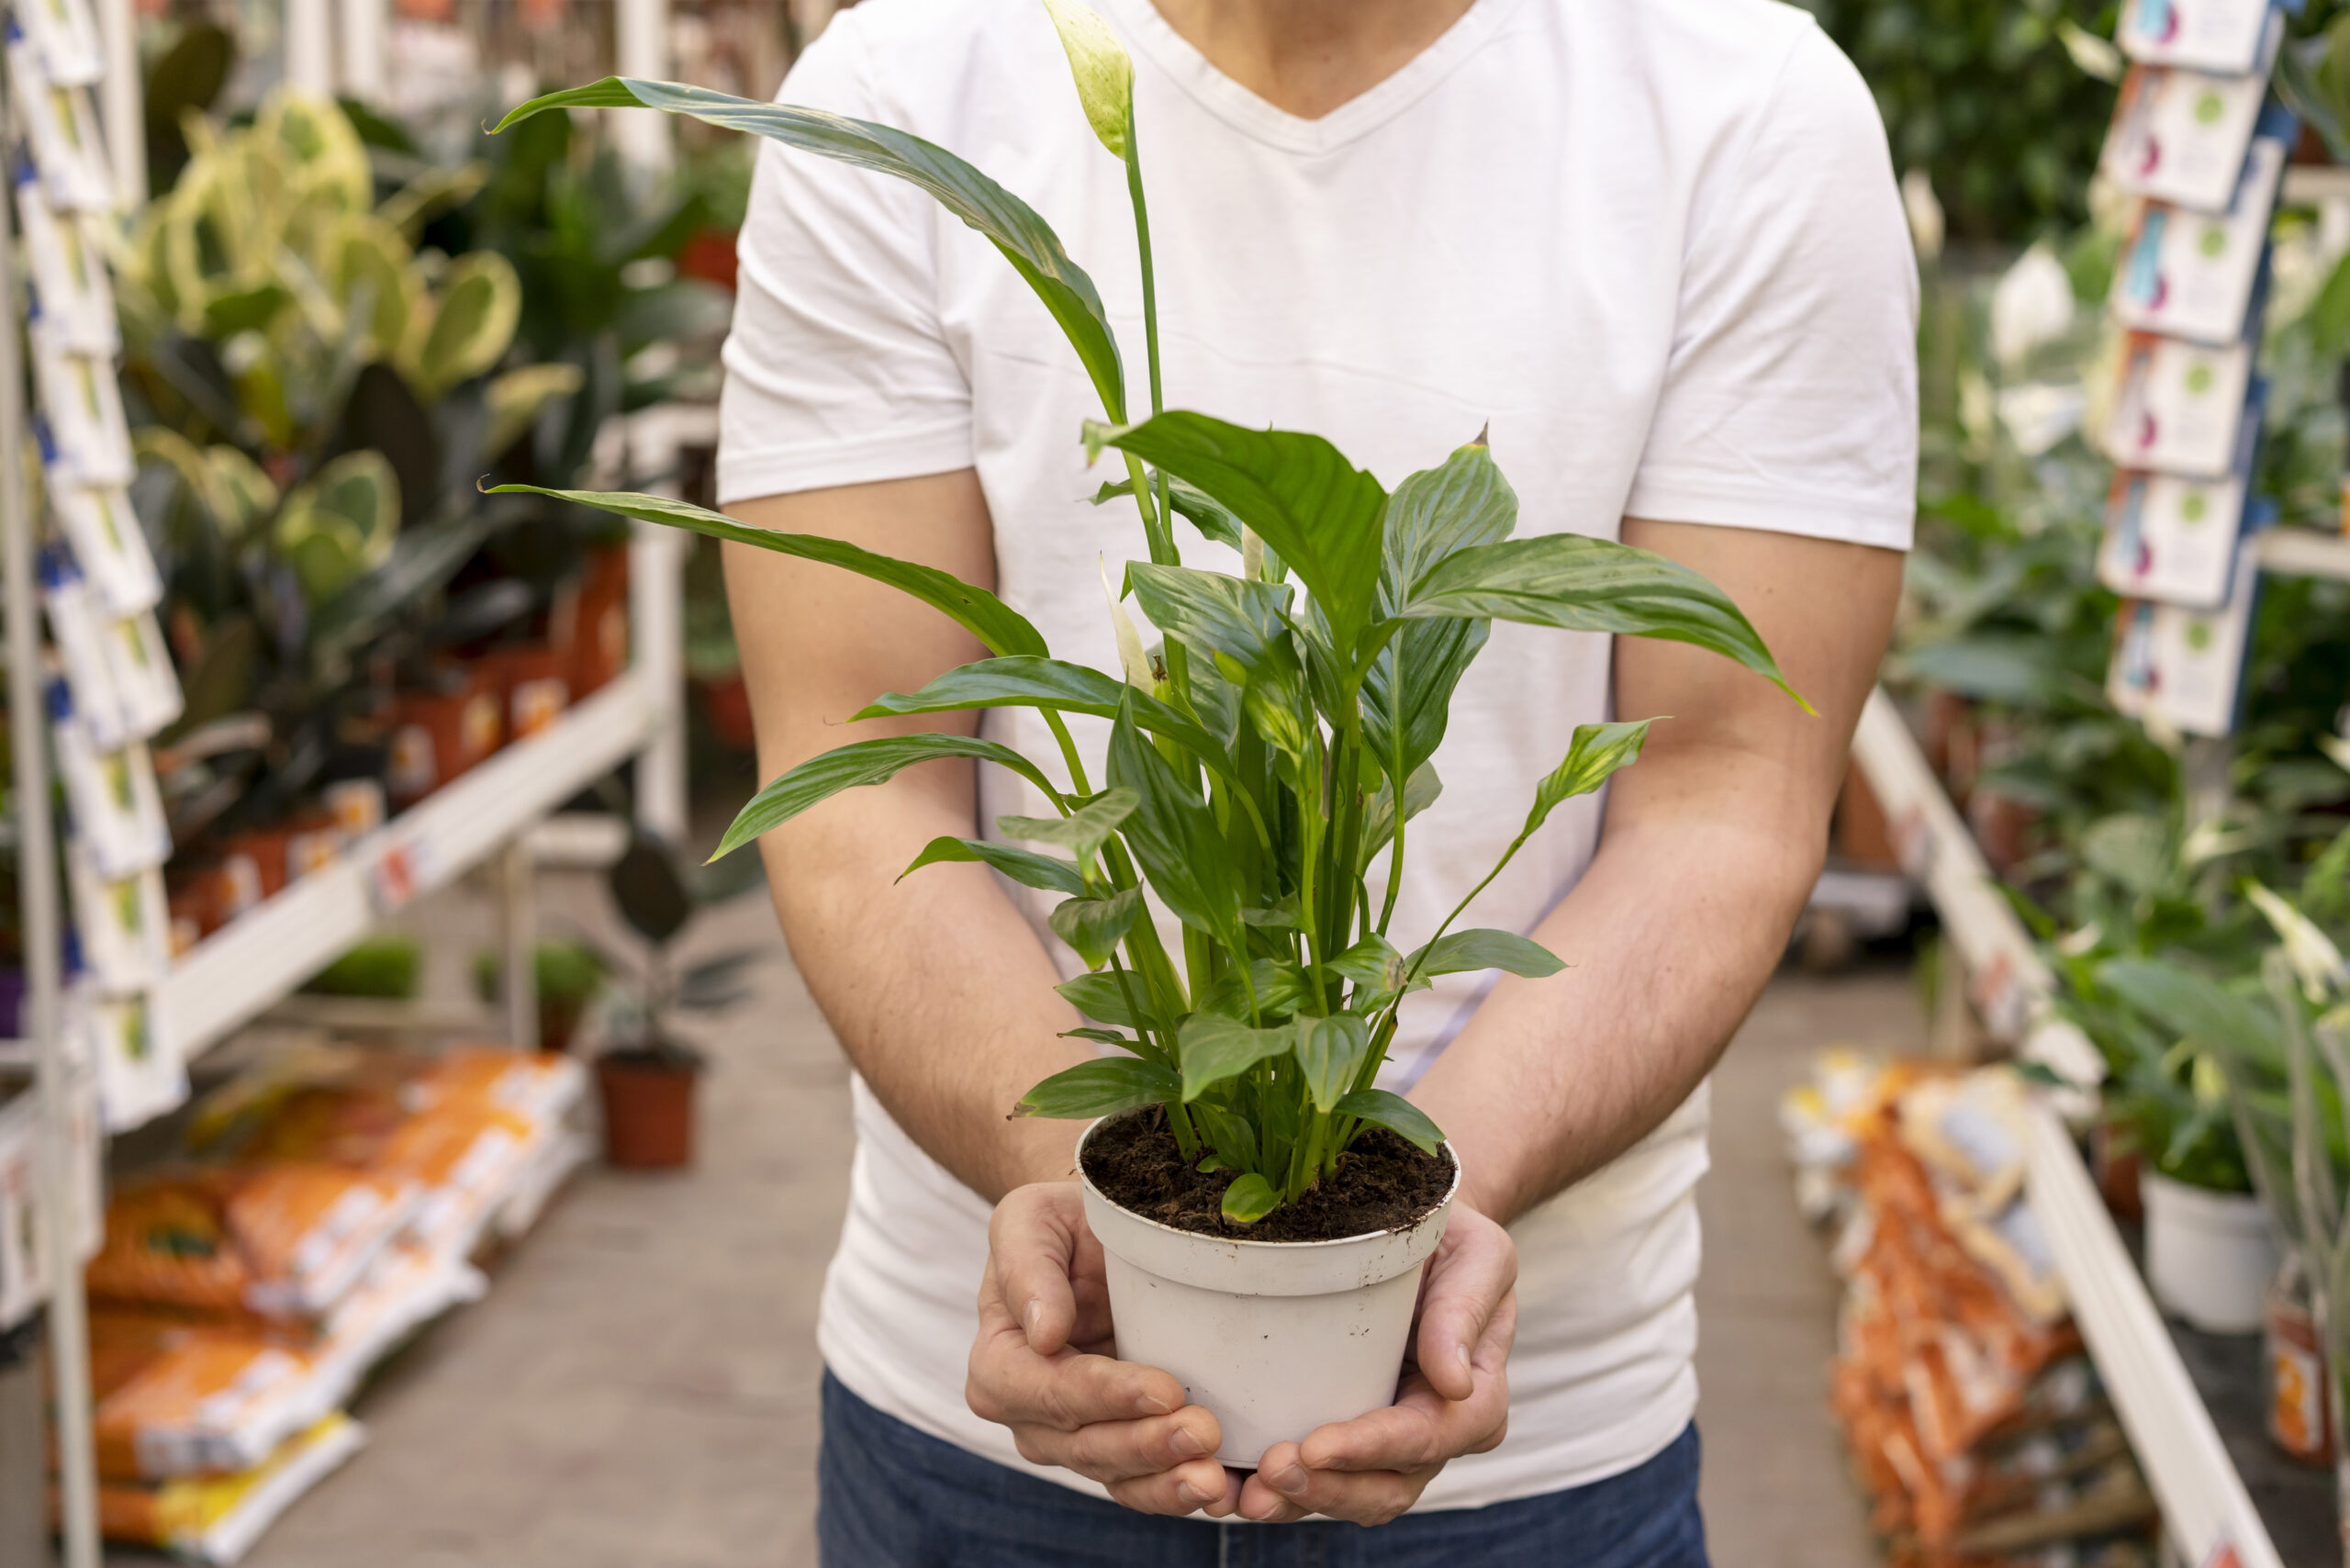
(1864, 837)
(533, 683)
(590, 625)
(648, 1111)
(252, 870)
(439, 735)
(727, 700)
(709, 255)
(2114, 1161)
(559, 1019)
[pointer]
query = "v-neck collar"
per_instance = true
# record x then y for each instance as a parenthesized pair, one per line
(1254, 117)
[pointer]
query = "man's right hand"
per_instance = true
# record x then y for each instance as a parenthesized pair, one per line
(1042, 1365)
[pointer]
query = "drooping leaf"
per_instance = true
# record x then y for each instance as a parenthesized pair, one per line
(1100, 1088)
(1026, 240)
(1081, 831)
(1100, 1036)
(1581, 584)
(1175, 836)
(1379, 817)
(1004, 630)
(1296, 491)
(1249, 1199)
(1461, 952)
(1596, 751)
(1105, 77)
(1025, 867)
(1094, 926)
(1025, 681)
(1211, 517)
(1101, 996)
(1397, 1114)
(1330, 1051)
(856, 765)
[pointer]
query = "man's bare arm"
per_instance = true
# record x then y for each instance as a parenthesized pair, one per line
(939, 991)
(1711, 844)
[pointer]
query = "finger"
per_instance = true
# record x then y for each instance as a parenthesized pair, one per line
(1202, 1485)
(1121, 1451)
(1011, 1383)
(1032, 1252)
(1474, 1269)
(1284, 1489)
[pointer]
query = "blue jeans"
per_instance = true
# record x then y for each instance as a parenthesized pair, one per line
(888, 1497)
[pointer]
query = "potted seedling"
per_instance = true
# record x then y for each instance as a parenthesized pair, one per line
(1265, 1206)
(567, 975)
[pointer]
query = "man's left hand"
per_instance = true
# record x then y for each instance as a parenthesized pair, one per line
(1454, 1398)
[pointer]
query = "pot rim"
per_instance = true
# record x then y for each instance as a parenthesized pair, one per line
(1086, 1182)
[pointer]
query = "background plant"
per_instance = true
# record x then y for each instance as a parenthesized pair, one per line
(1265, 757)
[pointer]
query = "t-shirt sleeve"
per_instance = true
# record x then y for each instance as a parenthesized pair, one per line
(1790, 401)
(837, 370)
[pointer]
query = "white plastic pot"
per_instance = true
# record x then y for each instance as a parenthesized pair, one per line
(2209, 1255)
(1276, 1337)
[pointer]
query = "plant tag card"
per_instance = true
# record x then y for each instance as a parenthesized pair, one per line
(79, 630)
(71, 300)
(2181, 665)
(83, 406)
(2190, 274)
(108, 545)
(2208, 35)
(21, 1288)
(2171, 539)
(139, 1072)
(124, 925)
(61, 122)
(64, 36)
(2180, 136)
(118, 810)
(145, 683)
(2178, 408)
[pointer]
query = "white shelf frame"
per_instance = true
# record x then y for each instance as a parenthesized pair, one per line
(2204, 1502)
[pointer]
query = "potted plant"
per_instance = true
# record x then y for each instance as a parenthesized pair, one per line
(565, 977)
(1265, 1206)
(647, 1074)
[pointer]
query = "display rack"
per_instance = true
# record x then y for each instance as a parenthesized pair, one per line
(2206, 1506)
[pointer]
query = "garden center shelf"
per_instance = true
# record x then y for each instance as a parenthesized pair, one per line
(2206, 1505)
(2303, 552)
(247, 965)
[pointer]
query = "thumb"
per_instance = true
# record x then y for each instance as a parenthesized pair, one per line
(1474, 1269)
(1032, 1244)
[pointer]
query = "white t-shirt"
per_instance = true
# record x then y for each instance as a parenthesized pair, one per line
(1655, 245)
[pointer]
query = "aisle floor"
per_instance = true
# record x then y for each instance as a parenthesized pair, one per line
(639, 1390)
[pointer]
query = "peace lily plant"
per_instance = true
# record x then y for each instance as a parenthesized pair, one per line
(1277, 745)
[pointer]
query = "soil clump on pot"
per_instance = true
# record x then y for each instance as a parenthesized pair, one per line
(1383, 1183)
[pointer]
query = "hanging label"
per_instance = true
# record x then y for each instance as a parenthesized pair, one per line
(60, 123)
(2180, 136)
(2206, 35)
(2181, 665)
(2192, 275)
(71, 297)
(2179, 408)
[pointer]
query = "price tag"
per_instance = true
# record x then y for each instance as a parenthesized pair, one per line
(398, 874)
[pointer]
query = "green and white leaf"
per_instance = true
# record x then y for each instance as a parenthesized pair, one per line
(1597, 752)
(1081, 831)
(1211, 517)
(1330, 1051)
(1379, 817)
(1175, 836)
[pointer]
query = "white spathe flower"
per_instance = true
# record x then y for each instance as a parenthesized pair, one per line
(2336, 749)
(2096, 56)
(2080, 944)
(1924, 210)
(1105, 76)
(2032, 305)
(2315, 959)
(1252, 555)
(1131, 658)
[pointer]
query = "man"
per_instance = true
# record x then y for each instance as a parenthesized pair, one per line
(1655, 245)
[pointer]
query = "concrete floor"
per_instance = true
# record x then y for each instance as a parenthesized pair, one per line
(639, 1389)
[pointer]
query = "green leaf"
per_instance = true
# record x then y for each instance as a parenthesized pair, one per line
(1397, 1114)
(340, 524)
(1175, 836)
(1580, 584)
(1232, 1138)
(1100, 1036)
(1105, 77)
(1283, 915)
(1415, 677)
(1218, 614)
(1372, 963)
(1249, 1199)
(1214, 1047)
(862, 763)
(1462, 951)
(1279, 988)
(1101, 996)
(2194, 1007)
(1004, 630)
(472, 323)
(1378, 816)
(1026, 240)
(1025, 681)
(1211, 517)
(1081, 831)
(1597, 751)
(1025, 867)
(1435, 513)
(1331, 1051)
(1095, 926)
(1100, 1088)
(1296, 491)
